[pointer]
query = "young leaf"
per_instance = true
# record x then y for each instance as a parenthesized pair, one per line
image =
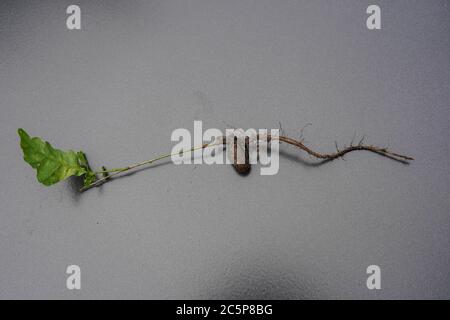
(52, 165)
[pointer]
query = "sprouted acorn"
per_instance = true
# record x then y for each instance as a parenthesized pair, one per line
(53, 165)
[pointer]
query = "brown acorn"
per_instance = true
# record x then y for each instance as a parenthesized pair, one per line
(242, 168)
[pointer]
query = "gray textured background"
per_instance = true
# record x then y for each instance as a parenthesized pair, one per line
(139, 69)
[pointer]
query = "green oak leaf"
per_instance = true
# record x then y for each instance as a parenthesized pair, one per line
(53, 165)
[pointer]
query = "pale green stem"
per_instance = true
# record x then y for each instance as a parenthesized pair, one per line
(160, 157)
(109, 170)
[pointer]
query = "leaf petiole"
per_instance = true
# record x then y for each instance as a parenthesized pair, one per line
(160, 157)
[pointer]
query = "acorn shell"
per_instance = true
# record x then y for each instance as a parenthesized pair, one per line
(242, 169)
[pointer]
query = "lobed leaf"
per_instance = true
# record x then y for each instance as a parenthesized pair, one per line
(53, 165)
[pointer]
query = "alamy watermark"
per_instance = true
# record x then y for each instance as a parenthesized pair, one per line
(242, 147)
(73, 281)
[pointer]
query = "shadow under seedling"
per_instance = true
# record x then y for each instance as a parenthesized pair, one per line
(54, 165)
